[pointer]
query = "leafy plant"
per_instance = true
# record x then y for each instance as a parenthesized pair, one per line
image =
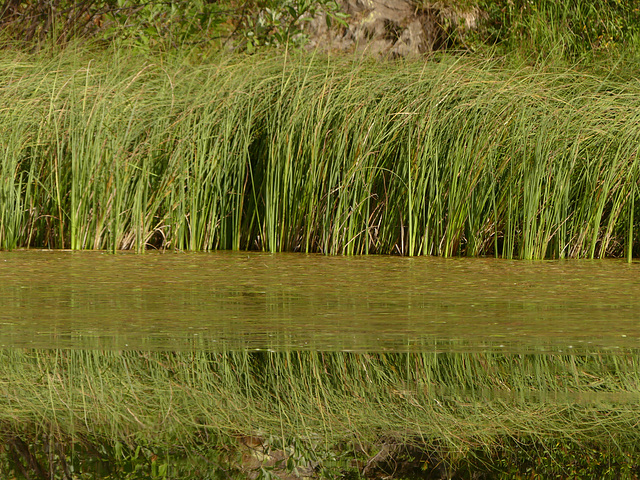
(275, 22)
(162, 25)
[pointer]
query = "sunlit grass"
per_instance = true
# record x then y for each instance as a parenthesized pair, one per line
(453, 156)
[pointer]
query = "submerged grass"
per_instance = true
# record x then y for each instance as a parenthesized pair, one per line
(455, 406)
(452, 156)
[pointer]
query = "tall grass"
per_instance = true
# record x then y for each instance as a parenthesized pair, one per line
(452, 403)
(445, 157)
(575, 29)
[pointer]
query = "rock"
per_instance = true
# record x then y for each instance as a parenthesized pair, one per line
(393, 28)
(256, 455)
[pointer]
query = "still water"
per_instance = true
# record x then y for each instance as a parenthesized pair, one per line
(263, 301)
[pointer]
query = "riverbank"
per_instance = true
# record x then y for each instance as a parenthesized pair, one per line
(135, 414)
(446, 156)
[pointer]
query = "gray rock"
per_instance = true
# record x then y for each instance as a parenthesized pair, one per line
(393, 28)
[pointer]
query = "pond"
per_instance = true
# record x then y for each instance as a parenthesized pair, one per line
(263, 301)
(252, 365)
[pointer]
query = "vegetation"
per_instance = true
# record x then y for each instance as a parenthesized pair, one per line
(171, 125)
(141, 414)
(117, 144)
(449, 157)
(573, 29)
(539, 28)
(160, 25)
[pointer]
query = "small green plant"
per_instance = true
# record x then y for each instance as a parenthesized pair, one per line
(275, 22)
(165, 25)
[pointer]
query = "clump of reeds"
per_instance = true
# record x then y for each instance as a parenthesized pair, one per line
(447, 157)
(178, 403)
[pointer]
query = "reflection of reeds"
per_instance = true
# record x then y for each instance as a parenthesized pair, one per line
(446, 158)
(453, 401)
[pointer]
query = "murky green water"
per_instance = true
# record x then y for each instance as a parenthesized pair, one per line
(253, 300)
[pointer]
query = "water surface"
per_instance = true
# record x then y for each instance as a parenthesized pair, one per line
(255, 300)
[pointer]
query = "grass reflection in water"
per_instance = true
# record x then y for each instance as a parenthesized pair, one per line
(136, 414)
